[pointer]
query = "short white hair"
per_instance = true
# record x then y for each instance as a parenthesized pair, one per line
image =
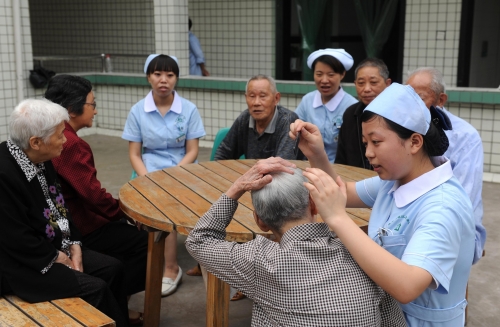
(33, 117)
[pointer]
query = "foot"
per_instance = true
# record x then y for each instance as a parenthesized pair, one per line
(135, 318)
(238, 296)
(170, 285)
(195, 271)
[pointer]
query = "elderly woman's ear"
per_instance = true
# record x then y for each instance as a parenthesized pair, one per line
(262, 225)
(35, 142)
(312, 206)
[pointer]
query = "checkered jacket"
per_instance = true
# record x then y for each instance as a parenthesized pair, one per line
(307, 279)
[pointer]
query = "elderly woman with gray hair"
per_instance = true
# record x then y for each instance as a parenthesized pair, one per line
(41, 255)
(307, 277)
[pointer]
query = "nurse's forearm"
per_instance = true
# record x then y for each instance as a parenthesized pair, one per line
(404, 282)
(192, 148)
(135, 155)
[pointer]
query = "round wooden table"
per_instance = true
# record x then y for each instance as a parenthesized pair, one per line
(176, 197)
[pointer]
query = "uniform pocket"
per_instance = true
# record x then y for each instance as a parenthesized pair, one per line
(395, 244)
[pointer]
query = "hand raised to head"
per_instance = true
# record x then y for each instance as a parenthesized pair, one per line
(311, 141)
(257, 176)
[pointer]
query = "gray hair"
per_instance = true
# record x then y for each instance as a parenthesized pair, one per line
(373, 62)
(437, 86)
(284, 199)
(271, 81)
(38, 118)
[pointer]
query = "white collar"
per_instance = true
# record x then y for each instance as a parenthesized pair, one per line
(405, 194)
(330, 105)
(149, 103)
(271, 127)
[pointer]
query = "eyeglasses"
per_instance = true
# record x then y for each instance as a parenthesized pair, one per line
(92, 104)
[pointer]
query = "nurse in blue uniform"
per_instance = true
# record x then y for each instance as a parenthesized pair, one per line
(420, 241)
(325, 106)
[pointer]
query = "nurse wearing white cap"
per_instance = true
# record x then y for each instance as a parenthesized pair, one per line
(325, 106)
(163, 130)
(420, 241)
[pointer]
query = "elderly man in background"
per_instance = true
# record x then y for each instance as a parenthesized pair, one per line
(307, 277)
(465, 150)
(371, 77)
(261, 131)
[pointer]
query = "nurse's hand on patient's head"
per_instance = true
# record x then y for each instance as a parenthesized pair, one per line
(311, 142)
(328, 195)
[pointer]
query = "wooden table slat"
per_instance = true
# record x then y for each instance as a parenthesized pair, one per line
(221, 170)
(199, 205)
(11, 316)
(221, 184)
(235, 165)
(44, 313)
(139, 208)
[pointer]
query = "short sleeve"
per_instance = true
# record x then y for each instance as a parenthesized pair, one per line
(195, 126)
(132, 130)
(367, 190)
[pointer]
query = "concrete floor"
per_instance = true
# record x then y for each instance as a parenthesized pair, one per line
(186, 307)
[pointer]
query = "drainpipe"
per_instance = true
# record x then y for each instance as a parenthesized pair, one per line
(16, 12)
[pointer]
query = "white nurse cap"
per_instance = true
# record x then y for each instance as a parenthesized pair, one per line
(402, 105)
(151, 57)
(340, 54)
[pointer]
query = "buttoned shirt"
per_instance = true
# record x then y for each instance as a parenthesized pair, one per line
(243, 138)
(466, 155)
(307, 279)
(328, 117)
(196, 56)
(427, 222)
(163, 138)
(90, 205)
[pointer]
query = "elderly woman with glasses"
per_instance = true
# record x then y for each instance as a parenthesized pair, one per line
(41, 253)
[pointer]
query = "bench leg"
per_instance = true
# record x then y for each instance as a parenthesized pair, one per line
(217, 302)
(154, 274)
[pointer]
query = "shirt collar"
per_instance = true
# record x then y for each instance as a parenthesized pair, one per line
(149, 103)
(305, 232)
(29, 169)
(69, 128)
(271, 127)
(330, 105)
(405, 194)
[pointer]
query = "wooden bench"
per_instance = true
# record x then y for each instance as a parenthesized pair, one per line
(64, 312)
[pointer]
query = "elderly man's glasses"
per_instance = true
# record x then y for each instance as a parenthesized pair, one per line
(92, 104)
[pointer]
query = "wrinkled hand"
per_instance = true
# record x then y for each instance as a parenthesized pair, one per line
(62, 258)
(328, 195)
(257, 176)
(76, 257)
(311, 142)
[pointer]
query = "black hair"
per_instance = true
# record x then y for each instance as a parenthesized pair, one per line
(435, 141)
(190, 23)
(69, 92)
(163, 63)
(333, 62)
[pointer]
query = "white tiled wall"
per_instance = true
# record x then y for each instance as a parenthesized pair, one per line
(237, 37)
(432, 33)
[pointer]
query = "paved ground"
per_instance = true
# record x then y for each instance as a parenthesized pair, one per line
(186, 307)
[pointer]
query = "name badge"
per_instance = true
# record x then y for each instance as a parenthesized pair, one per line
(180, 138)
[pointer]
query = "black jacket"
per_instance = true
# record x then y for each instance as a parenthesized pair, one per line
(351, 150)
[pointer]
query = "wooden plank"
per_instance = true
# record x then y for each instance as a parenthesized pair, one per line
(235, 165)
(137, 207)
(221, 170)
(83, 312)
(178, 215)
(221, 184)
(44, 313)
(217, 314)
(10, 316)
(154, 274)
(199, 205)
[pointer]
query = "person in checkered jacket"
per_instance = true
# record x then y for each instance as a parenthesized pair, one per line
(307, 277)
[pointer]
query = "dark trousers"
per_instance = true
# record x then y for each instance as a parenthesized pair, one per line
(127, 244)
(101, 284)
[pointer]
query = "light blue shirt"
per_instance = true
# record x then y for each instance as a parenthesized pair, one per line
(466, 155)
(427, 223)
(196, 56)
(163, 138)
(328, 117)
